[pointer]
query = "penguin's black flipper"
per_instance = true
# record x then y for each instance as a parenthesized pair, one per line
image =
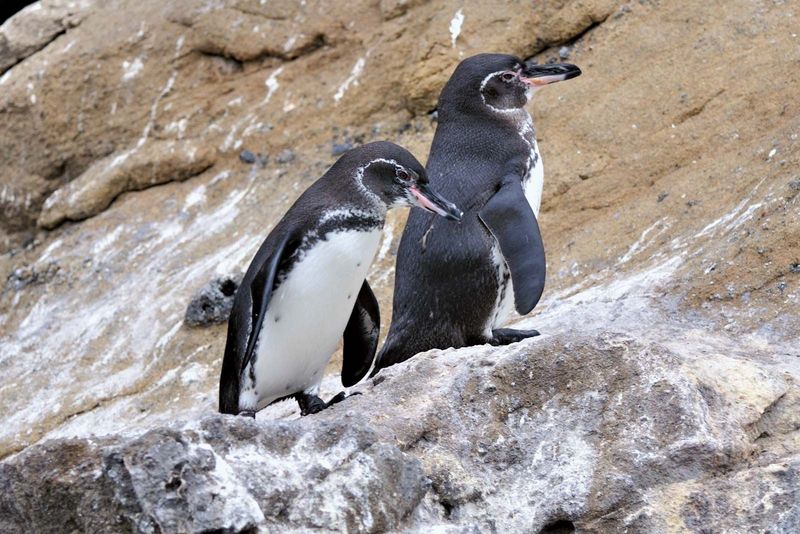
(509, 218)
(361, 337)
(261, 291)
(247, 316)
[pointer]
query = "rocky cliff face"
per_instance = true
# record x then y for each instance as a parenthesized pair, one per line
(148, 148)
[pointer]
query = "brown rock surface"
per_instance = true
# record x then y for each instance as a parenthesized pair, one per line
(37, 26)
(670, 211)
(145, 165)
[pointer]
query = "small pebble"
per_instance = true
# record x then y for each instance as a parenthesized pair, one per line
(247, 157)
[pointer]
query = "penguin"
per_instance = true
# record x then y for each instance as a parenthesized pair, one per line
(456, 285)
(306, 287)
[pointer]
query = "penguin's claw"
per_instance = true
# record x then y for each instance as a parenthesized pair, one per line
(506, 336)
(247, 413)
(338, 398)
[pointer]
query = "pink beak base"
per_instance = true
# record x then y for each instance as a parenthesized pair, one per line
(425, 203)
(543, 80)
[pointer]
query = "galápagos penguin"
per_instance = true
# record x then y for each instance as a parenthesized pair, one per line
(455, 285)
(306, 288)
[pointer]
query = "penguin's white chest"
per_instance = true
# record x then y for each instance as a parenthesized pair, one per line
(533, 184)
(307, 315)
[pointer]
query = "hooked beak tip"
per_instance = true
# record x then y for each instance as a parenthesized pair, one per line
(455, 215)
(432, 202)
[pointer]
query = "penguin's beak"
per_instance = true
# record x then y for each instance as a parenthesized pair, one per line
(541, 75)
(426, 199)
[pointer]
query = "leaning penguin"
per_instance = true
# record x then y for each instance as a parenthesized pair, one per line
(457, 286)
(306, 288)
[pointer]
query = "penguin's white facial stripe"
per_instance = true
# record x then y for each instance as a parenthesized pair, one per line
(379, 203)
(487, 78)
(398, 168)
(392, 194)
(501, 73)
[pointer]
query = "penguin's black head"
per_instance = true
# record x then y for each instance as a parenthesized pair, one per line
(393, 175)
(499, 83)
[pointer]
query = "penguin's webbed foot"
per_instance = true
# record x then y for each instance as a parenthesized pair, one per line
(506, 336)
(310, 404)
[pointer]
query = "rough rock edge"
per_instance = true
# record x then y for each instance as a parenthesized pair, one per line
(52, 18)
(583, 430)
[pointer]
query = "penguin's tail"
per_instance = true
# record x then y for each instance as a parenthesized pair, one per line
(229, 380)
(229, 397)
(389, 355)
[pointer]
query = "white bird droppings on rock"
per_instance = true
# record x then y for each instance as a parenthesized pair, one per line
(455, 26)
(131, 69)
(358, 68)
(272, 84)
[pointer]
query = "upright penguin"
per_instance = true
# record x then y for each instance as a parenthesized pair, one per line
(306, 289)
(456, 284)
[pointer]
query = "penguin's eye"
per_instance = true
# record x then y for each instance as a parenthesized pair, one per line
(402, 175)
(507, 76)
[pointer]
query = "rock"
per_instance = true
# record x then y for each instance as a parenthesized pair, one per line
(20, 201)
(600, 432)
(245, 156)
(37, 25)
(230, 32)
(285, 156)
(28, 275)
(141, 167)
(394, 8)
(707, 302)
(337, 149)
(226, 474)
(213, 302)
(742, 501)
